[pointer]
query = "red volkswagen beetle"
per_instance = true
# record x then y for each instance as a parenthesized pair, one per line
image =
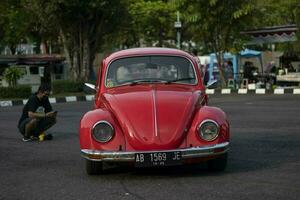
(151, 111)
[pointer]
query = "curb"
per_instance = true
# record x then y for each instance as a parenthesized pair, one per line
(52, 100)
(225, 91)
(278, 91)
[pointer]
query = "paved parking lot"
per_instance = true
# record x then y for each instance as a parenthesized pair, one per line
(264, 160)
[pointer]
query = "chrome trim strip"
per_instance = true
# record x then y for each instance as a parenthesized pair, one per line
(118, 156)
(105, 122)
(155, 115)
(208, 120)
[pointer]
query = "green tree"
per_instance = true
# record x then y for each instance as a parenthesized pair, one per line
(217, 24)
(15, 24)
(153, 21)
(82, 27)
(276, 13)
(12, 75)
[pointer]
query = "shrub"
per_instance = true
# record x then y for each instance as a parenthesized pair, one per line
(66, 86)
(15, 92)
(12, 74)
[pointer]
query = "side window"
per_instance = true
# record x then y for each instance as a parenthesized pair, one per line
(191, 72)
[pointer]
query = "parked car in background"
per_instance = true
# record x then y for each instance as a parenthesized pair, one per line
(151, 111)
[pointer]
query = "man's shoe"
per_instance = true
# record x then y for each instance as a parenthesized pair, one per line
(34, 138)
(48, 137)
(42, 136)
(26, 139)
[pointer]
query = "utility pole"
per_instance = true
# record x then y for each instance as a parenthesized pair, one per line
(177, 26)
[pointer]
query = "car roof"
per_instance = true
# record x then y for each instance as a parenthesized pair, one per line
(148, 51)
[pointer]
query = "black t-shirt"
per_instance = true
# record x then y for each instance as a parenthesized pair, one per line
(34, 104)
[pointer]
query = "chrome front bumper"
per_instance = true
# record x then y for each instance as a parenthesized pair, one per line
(129, 156)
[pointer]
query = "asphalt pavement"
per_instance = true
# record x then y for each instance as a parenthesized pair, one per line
(264, 159)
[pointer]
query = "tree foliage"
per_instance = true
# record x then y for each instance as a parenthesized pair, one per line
(82, 28)
(279, 12)
(218, 23)
(276, 12)
(15, 24)
(153, 20)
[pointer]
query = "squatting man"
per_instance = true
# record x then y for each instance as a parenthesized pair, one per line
(37, 116)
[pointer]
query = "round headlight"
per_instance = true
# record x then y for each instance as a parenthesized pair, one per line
(208, 130)
(103, 131)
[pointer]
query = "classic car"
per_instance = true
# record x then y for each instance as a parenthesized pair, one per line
(151, 110)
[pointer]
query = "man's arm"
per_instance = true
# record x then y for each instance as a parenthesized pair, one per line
(36, 115)
(48, 109)
(47, 106)
(41, 115)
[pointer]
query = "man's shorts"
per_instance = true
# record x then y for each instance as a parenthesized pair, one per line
(22, 125)
(42, 125)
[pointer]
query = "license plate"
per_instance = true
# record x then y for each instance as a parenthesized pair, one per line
(158, 159)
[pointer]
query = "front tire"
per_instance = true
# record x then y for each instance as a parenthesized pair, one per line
(218, 164)
(93, 167)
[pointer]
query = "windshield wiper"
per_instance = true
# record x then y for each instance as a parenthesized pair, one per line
(180, 79)
(135, 82)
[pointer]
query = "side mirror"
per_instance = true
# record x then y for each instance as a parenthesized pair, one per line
(212, 84)
(91, 86)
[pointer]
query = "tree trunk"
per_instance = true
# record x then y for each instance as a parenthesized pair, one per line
(220, 56)
(44, 47)
(70, 57)
(86, 59)
(13, 49)
(160, 37)
(92, 43)
(80, 54)
(81, 50)
(76, 65)
(221, 70)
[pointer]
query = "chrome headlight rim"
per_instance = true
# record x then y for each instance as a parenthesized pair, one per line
(199, 130)
(107, 139)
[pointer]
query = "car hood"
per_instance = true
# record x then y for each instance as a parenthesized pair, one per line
(153, 118)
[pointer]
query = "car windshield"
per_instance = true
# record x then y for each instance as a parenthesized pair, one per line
(150, 69)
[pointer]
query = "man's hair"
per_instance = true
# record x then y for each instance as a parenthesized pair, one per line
(44, 87)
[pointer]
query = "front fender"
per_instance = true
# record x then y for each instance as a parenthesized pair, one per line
(213, 113)
(86, 124)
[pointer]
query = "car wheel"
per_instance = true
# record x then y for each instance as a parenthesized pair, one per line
(93, 167)
(218, 164)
